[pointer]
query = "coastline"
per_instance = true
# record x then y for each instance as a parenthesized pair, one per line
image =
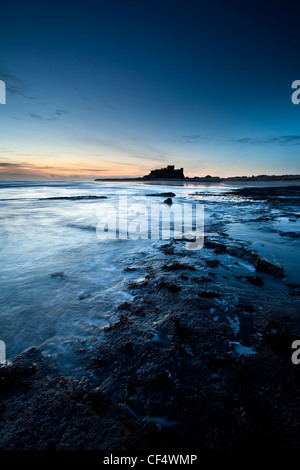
(198, 359)
(213, 180)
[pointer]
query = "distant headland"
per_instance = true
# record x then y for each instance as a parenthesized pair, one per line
(170, 173)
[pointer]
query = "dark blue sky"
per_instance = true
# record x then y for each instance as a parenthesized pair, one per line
(122, 87)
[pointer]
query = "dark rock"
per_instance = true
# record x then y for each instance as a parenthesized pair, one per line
(212, 263)
(279, 338)
(168, 249)
(162, 194)
(267, 267)
(139, 311)
(180, 329)
(294, 288)
(245, 308)
(85, 295)
(98, 401)
(123, 319)
(173, 288)
(208, 293)
(124, 306)
(257, 410)
(178, 266)
(203, 279)
(168, 201)
(290, 234)
(219, 248)
(255, 280)
(242, 253)
(59, 275)
(14, 373)
(126, 347)
(161, 379)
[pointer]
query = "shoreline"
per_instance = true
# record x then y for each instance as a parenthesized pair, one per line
(212, 180)
(198, 359)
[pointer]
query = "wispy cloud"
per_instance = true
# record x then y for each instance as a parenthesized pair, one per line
(93, 170)
(135, 148)
(9, 165)
(14, 84)
(50, 117)
(31, 168)
(195, 138)
(24, 166)
(270, 140)
(281, 140)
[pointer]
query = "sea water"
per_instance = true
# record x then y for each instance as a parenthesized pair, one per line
(60, 284)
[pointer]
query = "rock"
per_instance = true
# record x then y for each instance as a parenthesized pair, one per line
(98, 401)
(178, 266)
(180, 329)
(85, 295)
(279, 338)
(212, 263)
(58, 275)
(173, 288)
(124, 306)
(162, 194)
(203, 279)
(168, 249)
(168, 201)
(219, 248)
(15, 372)
(208, 293)
(267, 267)
(255, 280)
(290, 234)
(126, 347)
(123, 320)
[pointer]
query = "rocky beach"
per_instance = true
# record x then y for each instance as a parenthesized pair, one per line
(196, 357)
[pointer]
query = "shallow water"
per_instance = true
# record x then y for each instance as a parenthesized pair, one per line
(60, 283)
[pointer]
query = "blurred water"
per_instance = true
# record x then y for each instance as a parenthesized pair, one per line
(58, 282)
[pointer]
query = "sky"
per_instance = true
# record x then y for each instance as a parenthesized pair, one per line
(117, 88)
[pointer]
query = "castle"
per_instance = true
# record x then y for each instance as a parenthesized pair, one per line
(166, 173)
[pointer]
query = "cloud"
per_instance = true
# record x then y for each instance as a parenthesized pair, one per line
(92, 169)
(6, 164)
(59, 112)
(25, 168)
(51, 117)
(14, 84)
(281, 140)
(194, 138)
(138, 148)
(270, 140)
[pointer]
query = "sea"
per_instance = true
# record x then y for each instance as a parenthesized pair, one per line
(61, 283)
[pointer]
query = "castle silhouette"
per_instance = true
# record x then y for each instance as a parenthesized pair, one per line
(165, 173)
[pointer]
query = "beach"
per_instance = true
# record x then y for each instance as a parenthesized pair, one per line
(143, 344)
